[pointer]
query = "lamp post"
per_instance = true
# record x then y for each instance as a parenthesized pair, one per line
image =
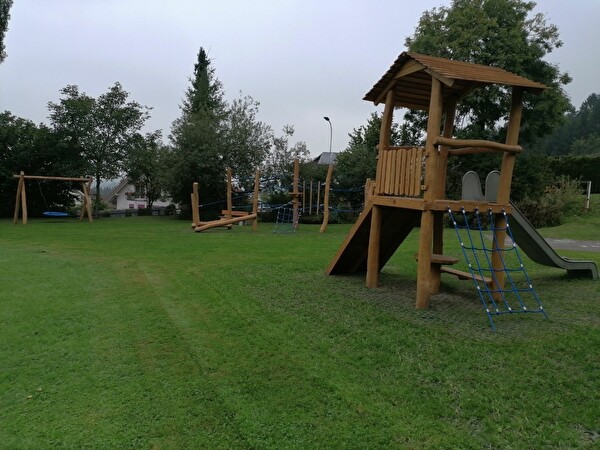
(330, 131)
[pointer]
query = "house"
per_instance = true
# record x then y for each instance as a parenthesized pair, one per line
(126, 195)
(326, 158)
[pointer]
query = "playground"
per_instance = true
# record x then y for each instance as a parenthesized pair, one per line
(139, 332)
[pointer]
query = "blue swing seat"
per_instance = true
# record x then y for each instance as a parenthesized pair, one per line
(55, 214)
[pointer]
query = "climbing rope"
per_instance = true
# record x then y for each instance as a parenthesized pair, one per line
(504, 290)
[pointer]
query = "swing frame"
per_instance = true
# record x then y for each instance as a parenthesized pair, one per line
(21, 198)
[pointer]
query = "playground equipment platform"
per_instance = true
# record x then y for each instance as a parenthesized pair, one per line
(410, 184)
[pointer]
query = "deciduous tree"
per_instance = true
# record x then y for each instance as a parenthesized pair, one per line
(145, 163)
(101, 130)
(4, 18)
(500, 33)
(359, 161)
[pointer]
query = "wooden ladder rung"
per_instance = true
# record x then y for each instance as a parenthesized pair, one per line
(440, 259)
(462, 275)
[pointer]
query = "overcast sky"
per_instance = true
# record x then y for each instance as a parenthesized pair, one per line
(301, 59)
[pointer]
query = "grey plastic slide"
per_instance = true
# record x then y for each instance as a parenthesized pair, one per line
(538, 249)
(524, 234)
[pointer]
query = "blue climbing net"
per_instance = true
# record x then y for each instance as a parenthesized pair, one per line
(505, 290)
(285, 219)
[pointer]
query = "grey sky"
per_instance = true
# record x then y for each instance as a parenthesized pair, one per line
(301, 59)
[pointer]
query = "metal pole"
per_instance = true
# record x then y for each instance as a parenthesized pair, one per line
(330, 131)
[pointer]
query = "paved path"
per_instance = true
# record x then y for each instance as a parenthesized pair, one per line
(567, 244)
(572, 244)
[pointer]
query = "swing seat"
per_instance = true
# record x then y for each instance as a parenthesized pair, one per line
(55, 214)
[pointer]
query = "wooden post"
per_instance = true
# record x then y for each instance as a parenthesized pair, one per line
(86, 206)
(310, 199)
(20, 200)
(318, 197)
(369, 188)
(428, 279)
(229, 201)
(296, 194)
(326, 199)
(375, 232)
(195, 205)
(303, 195)
(508, 161)
(374, 248)
(438, 216)
(255, 200)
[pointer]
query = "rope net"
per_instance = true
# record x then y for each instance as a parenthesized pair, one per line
(285, 220)
(504, 290)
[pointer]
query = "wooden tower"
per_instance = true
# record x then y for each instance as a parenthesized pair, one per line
(410, 181)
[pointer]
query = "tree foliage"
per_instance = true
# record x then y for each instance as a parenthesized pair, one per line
(101, 130)
(247, 139)
(579, 135)
(145, 163)
(4, 18)
(198, 138)
(359, 161)
(35, 150)
(505, 34)
(280, 159)
(212, 135)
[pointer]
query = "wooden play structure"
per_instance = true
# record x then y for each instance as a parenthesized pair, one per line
(228, 216)
(409, 188)
(21, 199)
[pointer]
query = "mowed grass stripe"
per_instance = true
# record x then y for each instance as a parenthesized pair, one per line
(161, 337)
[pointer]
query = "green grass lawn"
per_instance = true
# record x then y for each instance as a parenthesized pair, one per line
(585, 226)
(140, 333)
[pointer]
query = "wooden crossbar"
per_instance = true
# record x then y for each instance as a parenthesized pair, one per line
(477, 144)
(41, 177)
(234, 213)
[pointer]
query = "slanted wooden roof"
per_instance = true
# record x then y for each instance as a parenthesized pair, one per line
(410, 77)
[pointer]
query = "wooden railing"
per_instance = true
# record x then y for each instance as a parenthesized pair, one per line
(399, 171)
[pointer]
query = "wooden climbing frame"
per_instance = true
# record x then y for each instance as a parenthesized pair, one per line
(410, 182)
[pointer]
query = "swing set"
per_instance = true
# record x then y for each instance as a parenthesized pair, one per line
(21, 198)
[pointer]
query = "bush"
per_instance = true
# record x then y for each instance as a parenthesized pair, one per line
(561, 199)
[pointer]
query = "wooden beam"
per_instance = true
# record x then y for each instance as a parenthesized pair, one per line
(454, 143)
(473, 151)
(462, 275)
(41, 177)
(86, 207)
(195, 204)
(442, 79)
(374, 248)
(469, 206)
(18, 200)
(427, 278)
(224, 222)
(399, 202)
(326, 199)
(508, 161)
(229, 189)
(408, 68)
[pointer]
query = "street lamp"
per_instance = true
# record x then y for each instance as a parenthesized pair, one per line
(330, 132)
